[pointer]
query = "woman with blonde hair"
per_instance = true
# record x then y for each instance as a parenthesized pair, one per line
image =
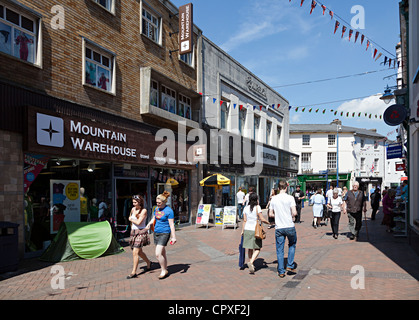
(164, 228)
(139, 235)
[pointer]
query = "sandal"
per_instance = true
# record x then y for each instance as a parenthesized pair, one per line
(132, 276)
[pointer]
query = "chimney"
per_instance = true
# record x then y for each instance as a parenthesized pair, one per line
(336, 121)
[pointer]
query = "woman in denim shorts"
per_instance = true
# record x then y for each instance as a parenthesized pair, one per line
(164, 229)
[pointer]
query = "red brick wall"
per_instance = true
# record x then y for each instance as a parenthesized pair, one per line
(61, 72)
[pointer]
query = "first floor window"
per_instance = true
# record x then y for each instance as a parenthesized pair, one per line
(306, 139)
(98, 68)
(242, 120)
(278, 136)
(154, 93)
(184, 107)
(224, 115)
(150, 26)
(306, 161)
(168, 98)
(331, 139)
(362, 164)
(105, 3)
(331, 160)
(268, 131)
(18, 36)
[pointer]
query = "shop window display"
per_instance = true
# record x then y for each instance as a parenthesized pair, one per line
(177, 183)
(49, 190)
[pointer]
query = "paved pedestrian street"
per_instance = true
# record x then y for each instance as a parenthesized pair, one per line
(203, 265)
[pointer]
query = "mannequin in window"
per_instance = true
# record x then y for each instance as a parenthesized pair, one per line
(83, 206)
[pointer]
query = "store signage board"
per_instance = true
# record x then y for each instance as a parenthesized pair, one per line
(66, 136)
(65, 203)
(394, 151)
(203, 214)
(229, 217)
(186, 28)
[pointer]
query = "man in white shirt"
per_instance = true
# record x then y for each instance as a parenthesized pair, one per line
(283, 208)
(240, 202)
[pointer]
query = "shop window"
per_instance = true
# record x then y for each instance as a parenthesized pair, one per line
(151, 25)
(19, 35)
(59, 190)
(176, 182)
(98, 67)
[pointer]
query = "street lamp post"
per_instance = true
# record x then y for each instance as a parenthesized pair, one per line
(338, 127)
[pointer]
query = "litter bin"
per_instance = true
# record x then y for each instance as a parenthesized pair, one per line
(9, 251)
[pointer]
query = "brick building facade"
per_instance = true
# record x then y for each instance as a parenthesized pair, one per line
(112, 64)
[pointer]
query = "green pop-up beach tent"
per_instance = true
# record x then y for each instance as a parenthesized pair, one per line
(82, 240)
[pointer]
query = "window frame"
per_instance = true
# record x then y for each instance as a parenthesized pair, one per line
(35, 35)
(331, 161)
(95, 48)
(153, 14)
(183, 100)
(170, 94)
(306, 141)
(111, 4)
(242, 120)
(331, 140)
(224, 114)
(304, 162)
(268, 132)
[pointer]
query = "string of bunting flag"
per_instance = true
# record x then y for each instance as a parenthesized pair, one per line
(377, 51)
(297, 109)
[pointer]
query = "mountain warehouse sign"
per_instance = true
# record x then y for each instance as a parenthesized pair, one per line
(60, 135)
(91, 132)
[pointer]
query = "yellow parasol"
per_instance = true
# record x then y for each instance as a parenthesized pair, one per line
(214, 180)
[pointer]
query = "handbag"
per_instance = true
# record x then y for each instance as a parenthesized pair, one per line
(260, 233)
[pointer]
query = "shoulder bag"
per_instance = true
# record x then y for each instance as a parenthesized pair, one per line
(260, 233)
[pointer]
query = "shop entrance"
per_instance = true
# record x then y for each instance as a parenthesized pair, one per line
(126, 188)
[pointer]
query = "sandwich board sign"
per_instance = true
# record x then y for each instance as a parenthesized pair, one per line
(203, 214)
(229, 216)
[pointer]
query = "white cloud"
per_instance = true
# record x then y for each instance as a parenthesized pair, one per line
(370, 105)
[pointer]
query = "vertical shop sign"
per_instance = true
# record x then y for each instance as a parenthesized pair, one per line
(33, 166)
(65, 202)
(185, 28)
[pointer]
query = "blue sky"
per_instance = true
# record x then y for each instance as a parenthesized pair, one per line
(282, 44)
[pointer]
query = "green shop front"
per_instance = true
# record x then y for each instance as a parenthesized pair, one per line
(311, 182)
